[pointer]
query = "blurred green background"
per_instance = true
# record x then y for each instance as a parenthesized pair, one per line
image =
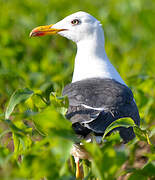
(47, 63)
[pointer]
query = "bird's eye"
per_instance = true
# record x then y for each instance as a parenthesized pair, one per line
(75, 21)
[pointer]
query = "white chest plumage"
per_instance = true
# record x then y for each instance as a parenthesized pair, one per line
(91, 60)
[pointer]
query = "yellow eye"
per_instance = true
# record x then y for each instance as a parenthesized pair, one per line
(75, 21)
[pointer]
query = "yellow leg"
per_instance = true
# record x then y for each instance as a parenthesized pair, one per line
(78, 173)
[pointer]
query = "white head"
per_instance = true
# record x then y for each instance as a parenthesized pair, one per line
(79, 26)
(76, 27)
(86, 31)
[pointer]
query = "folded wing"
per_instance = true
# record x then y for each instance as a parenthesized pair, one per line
(95, 103)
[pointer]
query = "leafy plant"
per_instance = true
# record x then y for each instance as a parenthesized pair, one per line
(35, 137)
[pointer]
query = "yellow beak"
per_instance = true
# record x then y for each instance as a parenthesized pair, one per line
(44, 30)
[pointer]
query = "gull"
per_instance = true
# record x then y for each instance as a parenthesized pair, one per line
(97, 94)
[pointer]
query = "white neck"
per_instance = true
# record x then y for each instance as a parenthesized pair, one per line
(91, 60)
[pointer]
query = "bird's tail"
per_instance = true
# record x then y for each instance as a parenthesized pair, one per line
(127, 134)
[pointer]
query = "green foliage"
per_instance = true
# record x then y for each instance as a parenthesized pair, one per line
(35, 137)
(17, 97)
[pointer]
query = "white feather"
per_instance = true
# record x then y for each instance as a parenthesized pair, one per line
(91, 60)
(89, 107)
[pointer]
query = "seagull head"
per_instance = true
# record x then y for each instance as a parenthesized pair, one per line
(76, 27)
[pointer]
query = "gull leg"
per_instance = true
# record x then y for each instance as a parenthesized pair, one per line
(78, 171)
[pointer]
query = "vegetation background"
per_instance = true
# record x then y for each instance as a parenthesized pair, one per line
(35, 138)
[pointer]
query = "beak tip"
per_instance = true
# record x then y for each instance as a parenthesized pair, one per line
(34, 32)
(31, 34)
(44, 30)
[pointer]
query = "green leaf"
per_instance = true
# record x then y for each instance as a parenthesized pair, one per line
(16, 142)
(141, 134)
(113, 157)
(4, 132)
(17, 97)
(14, 128)
(124, 122)
(147, 171)
(50, 122)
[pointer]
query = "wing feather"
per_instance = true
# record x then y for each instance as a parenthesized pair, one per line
(95, 103)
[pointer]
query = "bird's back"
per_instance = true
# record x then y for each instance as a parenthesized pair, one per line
(95, 103)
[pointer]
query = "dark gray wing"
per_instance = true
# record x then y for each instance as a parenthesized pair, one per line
(95, 103)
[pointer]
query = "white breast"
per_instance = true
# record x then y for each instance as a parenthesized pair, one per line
(91, 63)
